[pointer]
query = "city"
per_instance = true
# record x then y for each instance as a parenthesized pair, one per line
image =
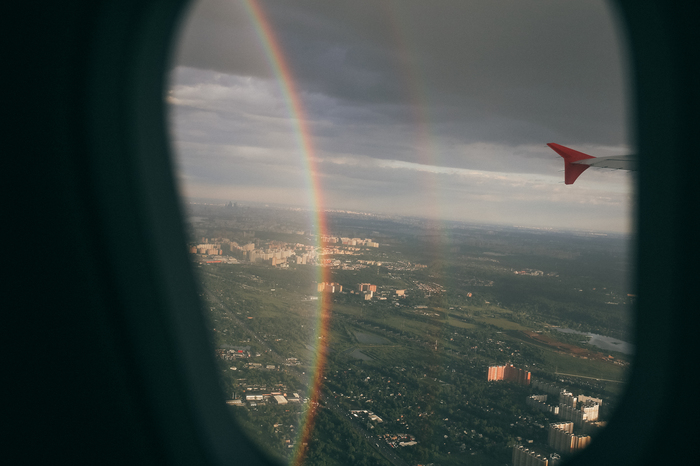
(439, 350)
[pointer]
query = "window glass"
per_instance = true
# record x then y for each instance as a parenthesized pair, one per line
(392, 266)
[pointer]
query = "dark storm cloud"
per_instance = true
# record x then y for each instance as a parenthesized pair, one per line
(218, 35)
(415, 107)
(217, 109)
(510, 72)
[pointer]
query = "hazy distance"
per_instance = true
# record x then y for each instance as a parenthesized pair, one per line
(436, 109)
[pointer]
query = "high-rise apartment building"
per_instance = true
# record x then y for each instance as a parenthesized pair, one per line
(546, 387)
(584, 399)
(567, 398)
(509, 373)
(561, 437)
(525, 457)
(540, 402)
(330, 287)
(588, 412)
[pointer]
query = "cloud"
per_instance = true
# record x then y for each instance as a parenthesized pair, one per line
(530, 70)
(438, 109)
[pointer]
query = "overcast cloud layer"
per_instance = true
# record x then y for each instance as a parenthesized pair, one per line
(438, 108)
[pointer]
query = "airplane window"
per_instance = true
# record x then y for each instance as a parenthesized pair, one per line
(394, 265)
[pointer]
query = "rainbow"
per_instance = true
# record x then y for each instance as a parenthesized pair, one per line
(295, 107)
(427, 155)
(427, 151)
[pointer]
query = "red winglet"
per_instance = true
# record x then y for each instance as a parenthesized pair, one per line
(571, 171)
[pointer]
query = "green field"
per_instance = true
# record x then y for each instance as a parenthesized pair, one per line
(420, 362)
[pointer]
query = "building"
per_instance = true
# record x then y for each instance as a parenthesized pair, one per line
(546, 387)
(592, 427)
(561, 437)
(526, 457)
(588, 412)
(567, 398)
(496, 373)
(281, 400)
(509, 373)
(211, 249)
(584, 399)
(324, 287)
(539, 402)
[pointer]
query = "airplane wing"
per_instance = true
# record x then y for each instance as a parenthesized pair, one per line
(618, 162)
(576, 162)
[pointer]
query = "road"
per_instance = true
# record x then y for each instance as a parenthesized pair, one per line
(593, 378)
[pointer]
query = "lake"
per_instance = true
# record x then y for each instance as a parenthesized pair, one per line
(601, 341)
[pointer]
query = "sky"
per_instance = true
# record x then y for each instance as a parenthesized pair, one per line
(437, 109)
